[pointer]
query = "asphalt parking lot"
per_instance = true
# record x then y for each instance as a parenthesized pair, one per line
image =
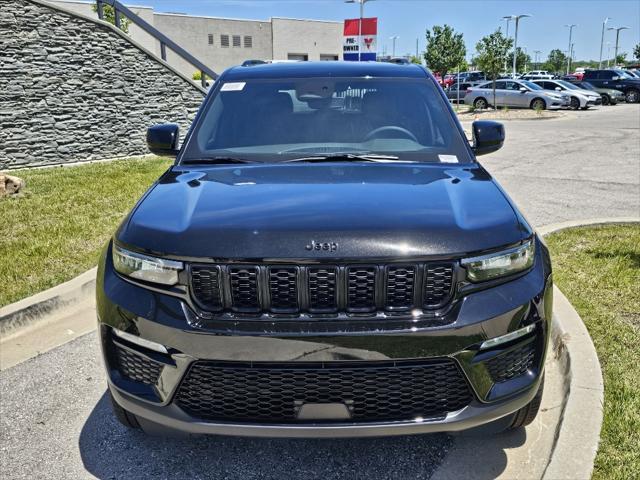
(55, 418)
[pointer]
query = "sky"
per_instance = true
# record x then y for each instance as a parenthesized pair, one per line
(409, 19)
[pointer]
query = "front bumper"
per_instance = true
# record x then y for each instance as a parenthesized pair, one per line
(475, 317)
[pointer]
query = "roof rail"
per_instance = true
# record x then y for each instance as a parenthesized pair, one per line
(165, 42)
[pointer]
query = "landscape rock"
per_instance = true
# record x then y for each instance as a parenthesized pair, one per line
(10, 185)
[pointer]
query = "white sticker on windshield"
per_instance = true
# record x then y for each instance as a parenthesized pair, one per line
(232, 86)
(448, 158)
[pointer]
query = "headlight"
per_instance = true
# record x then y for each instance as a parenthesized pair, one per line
(143, 267)
(500, 264)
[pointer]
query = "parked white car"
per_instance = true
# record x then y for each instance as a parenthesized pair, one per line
(537, 75)
(579, 98)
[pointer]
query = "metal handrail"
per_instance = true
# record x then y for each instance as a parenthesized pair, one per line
(165, 42)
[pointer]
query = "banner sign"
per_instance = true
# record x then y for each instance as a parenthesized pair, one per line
(361, 47)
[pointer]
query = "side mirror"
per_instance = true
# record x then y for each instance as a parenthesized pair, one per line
(488, 136)
(163, 139)
(558, 89)
(522, 89)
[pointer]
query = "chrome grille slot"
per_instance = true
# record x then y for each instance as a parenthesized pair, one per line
(283, 289)
(438, 280)
(322, 289)
(400, 287)
(361, 289)
(244, 289)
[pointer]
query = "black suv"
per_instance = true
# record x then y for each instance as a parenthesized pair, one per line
(325, 257)
(616, 79)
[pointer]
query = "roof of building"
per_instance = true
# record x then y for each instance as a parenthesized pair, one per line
(323, 69)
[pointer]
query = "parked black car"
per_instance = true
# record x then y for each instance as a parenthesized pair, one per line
(458, 91)
(616, 79)
(326, 257)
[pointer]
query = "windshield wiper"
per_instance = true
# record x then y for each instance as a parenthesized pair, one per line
(345, 157)
(215, 160)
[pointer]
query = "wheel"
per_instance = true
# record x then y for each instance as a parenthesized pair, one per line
(575, 103)
(538, 104)
(605, 99)
(480, 103)
(632, 96)
(527, 414)
(126, 418)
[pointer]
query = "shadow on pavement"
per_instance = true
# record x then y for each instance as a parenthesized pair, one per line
(109, 450)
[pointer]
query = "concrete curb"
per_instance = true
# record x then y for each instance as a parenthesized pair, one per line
(578, 433)
(34, 308)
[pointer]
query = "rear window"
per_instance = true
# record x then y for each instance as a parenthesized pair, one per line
(282, 119)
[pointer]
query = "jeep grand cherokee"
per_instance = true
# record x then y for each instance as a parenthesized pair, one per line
(326, 257)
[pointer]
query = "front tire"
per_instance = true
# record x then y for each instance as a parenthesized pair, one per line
(632, 96)
(123, 416)
(480, 104)
(575, 103)
(538, 104)
(528, 413)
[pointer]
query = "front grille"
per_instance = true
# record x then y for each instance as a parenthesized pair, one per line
(330, 289)
(512, 364)
(272, 393)
(136, 367)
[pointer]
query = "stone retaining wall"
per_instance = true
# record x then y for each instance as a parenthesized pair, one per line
(74, 89)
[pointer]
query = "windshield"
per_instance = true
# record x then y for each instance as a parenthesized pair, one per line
(623, 74)
(566, 84)
(587, 86)
(271, 120)
(531, 85)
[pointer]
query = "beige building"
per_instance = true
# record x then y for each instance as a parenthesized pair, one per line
(223, 42)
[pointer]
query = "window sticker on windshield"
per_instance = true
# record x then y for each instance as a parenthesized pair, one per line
(448, 158)
(232, 86)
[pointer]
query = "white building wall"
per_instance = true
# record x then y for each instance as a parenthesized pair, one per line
(312, 38)
(274, 39)
(192, 34)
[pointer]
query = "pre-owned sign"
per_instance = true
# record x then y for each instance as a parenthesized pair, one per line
(360, 40)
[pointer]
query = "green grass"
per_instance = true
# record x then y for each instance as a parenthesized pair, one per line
(598, 269)
(56, 229)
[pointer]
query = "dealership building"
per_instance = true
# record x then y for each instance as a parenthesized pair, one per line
(223, 42)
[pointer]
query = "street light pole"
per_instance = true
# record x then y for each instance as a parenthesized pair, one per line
(537, 54)
(615, 52)
(508, 19)
(608, 53)
(604, 24)
(361, 2)
(515, 40)
(569, 49)
(394, 38)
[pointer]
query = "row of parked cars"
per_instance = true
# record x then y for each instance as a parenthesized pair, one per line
(606, 87)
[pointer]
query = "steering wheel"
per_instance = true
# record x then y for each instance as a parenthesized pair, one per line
(391, 128)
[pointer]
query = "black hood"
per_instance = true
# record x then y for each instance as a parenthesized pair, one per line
(366, 210)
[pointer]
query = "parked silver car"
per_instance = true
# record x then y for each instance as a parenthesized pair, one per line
(515, 93)
(578, 97)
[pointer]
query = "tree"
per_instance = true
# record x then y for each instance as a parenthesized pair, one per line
(636, 51)
(556, 61)
(492, 51)
(522, 60)
(109, 15)
(416, 60)
(445, 49)
(621, 59)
